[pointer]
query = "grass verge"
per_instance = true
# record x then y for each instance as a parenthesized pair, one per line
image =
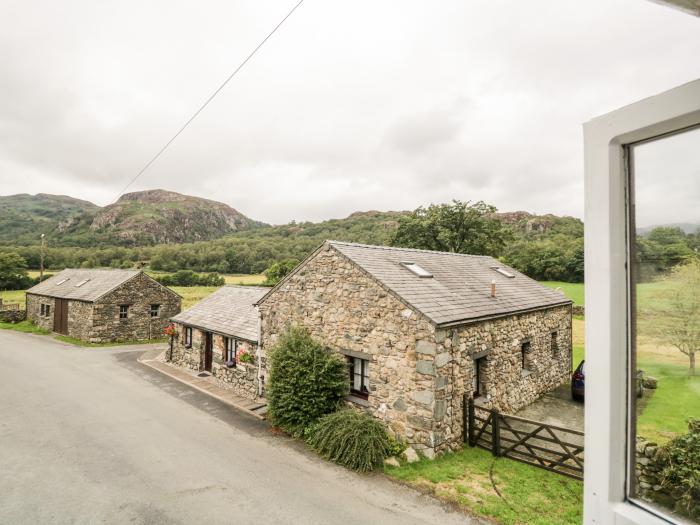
(573, 291)
(676, 399)
(504, 490)
(24, 326)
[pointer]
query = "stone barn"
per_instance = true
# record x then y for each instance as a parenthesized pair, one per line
(419, 329)
(99, 306)
(219, 335)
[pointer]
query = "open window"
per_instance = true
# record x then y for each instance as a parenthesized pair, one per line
(642, 166)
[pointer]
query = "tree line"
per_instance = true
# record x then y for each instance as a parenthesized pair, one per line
(544, 247)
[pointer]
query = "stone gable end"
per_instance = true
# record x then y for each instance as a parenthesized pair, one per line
(347, 310)
(139, 293)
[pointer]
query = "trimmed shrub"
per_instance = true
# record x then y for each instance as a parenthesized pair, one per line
(305, 381)
(680, 474)
(353, 439)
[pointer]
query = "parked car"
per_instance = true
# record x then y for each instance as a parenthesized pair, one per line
(578, 382)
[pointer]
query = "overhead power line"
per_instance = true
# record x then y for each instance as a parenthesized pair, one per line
(211, 97)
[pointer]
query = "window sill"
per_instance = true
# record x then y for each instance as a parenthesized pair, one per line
(357, 400)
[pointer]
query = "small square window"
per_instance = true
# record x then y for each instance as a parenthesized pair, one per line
(123, 311)
(155, 310)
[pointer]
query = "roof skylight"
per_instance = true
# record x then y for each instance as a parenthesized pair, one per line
(503, 272)
(62, 281)
(81, 283)
(417, 270)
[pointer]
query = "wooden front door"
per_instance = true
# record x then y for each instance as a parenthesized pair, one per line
(208, 351)
(60, 316)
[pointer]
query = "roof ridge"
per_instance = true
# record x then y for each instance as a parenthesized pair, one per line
(399, 248)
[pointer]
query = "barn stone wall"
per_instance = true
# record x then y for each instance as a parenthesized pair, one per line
(33, 307)
(139, 293)
(241, 379)
(80, 319)
(347, 310)
(508, 386)
(418, 372)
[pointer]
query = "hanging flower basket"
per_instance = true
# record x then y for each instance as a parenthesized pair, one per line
(171, 330)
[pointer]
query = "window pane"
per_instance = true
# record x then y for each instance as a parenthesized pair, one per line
(665, 328)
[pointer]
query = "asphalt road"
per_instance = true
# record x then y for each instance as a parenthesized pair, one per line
(93, 436)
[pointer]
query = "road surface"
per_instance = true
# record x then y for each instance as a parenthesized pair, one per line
(90, 435)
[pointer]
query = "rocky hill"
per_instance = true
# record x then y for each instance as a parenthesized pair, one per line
(137, 219)
(166, 217)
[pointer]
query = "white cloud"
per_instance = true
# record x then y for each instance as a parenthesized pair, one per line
(350, 106)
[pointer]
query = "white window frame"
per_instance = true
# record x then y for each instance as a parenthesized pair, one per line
(607, 295)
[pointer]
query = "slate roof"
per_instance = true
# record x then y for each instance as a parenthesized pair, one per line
(460, 289)
(99, 282)
(229, 311)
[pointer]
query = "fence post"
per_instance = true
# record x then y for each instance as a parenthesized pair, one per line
(495, 433)
(471, 419)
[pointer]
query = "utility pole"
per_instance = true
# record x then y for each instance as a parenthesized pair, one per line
(41, 263)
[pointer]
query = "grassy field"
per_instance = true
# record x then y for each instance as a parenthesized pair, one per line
(508, 491)
(193, 294)
(573, 291)
(13, 296)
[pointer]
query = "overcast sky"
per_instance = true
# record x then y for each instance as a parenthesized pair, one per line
(352, 105)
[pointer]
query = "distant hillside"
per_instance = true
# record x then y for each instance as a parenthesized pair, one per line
(165, 217)
(137, 219)
(24, 217)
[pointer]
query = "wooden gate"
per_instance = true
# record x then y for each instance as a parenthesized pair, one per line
(550, 447)
(60, 316)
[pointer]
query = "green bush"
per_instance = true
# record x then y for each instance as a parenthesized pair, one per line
(353, 439)
(680, 474)
(190, 278)
(305, 381)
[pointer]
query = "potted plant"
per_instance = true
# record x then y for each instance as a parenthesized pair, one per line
(244, 357)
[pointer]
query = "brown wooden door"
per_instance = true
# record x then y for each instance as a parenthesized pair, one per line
(60, 316)
(208, 351)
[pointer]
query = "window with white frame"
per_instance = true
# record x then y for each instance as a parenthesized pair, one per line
(188, 337)
(664, 290)
(642, 166)
(155, 310)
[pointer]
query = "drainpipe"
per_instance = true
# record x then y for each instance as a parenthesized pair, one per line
(258, 353)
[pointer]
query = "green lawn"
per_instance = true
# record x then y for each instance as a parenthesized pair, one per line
(676, 399)
(527, 494)
(24, 326)
(573, 291)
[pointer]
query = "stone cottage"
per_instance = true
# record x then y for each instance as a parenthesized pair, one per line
(419, 329)
(219, 335)
(99, 306)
